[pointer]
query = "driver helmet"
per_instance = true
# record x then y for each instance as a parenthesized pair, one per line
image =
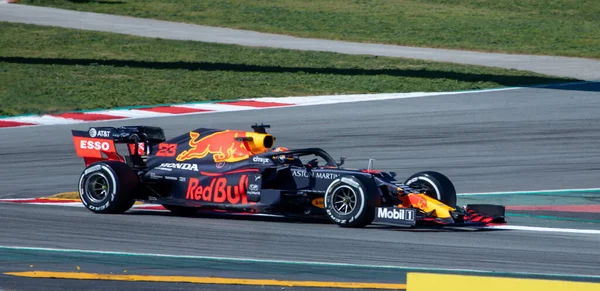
(282, 158)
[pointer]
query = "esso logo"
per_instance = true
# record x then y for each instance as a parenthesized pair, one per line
(94, 145)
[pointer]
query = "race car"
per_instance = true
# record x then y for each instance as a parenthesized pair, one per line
(241, 171)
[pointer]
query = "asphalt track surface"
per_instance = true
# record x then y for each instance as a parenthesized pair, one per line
(579, 68)
(514, 140)
(524, 139)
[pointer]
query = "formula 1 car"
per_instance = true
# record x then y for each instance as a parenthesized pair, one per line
(240, 171)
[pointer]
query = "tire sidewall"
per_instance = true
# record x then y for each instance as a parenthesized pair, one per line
(113, 187)
(432, 182)
(443, 187)
(360, 209)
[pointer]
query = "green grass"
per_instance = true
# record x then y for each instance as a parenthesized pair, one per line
(551, 27)
(46, 69)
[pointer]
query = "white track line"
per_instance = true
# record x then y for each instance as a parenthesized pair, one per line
(41, 120)
(132, 113)
(44, 119)
(505, 227)
(533, 192)
(334, 99)
(283, 262)
(289, 262)
(217, 107)
(547, 229)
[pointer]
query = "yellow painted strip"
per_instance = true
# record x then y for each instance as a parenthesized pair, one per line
(206, 280)
(71, 195)
(65, 195)
(429, 282)
(59, 199)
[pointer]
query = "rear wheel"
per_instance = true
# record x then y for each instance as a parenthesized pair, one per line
(349, 204)
(108, 187)
(435, 185)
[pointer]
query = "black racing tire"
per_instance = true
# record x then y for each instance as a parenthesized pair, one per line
(360, 203)
(435, 185)
(108, 187)
(181, 210)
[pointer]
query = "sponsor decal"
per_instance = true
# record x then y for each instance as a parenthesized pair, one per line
(421, 203)
(315, 191)
(182, 179)
(99, 208)
(414, 200)
(395, 213)
(219, 190)
(170, 178)
(253, 189)
(98, 133)
(318, 175)
(318, 202)
(91, 169)
(415, 179)
(182, 166)
(166, 150)
(94, 145)
(222, 145)
(141, 151)
(351, 182)
(104, 133)
(261, 160)
(155, 176)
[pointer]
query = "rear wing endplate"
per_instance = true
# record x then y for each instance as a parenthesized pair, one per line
(99, 143)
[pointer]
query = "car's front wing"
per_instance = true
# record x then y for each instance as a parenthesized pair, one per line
(470, 215)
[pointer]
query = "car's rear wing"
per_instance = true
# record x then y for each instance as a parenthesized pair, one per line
(99, 143)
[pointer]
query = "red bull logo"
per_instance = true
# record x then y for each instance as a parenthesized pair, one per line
(413, 200)
(219, 190)
(318, 202)
(222, 145)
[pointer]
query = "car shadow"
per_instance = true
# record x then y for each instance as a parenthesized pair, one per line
(505, 80)
(302, 220)
(437, 228)
(589, 86)
(232, 216)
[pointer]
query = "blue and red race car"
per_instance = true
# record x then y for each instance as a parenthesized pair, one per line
(242, 171)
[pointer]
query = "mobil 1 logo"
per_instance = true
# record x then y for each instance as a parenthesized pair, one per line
(395, 216)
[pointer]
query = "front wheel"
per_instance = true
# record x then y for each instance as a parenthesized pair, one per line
(435, 185)
(349, 204)
(108, 187)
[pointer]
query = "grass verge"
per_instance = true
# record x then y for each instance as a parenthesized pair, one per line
(47, 70)
(565, 27)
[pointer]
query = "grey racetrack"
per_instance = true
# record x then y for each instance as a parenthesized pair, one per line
(526, 139)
